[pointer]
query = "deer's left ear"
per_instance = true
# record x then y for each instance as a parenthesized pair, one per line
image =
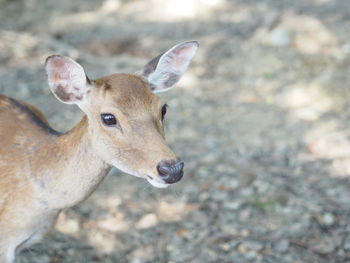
(166, 69)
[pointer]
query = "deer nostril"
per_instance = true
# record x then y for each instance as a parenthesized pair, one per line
(170, 173)
(164, 169)
(180, 166)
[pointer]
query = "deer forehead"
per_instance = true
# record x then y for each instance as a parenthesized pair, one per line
(128, 93)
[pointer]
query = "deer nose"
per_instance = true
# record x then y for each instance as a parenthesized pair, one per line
(170, 173)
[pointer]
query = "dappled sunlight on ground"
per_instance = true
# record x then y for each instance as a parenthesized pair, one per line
(307, 34)
(305, 101)
(158, 11)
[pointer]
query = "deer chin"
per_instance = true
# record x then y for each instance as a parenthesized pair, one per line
(157, 184)
(152, 181)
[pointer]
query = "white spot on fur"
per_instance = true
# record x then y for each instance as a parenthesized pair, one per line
(157, 184)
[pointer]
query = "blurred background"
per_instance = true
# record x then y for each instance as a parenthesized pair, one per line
(261, 120)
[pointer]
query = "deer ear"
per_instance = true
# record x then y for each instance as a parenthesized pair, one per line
(67, 79)
(166, 69)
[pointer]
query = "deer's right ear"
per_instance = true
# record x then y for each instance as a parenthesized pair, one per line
(67, 79)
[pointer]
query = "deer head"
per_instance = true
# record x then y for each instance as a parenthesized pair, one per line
(125, 116)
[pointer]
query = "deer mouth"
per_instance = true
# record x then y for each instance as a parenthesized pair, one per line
(156, 183)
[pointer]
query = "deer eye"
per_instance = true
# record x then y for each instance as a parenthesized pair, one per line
(108, 119)
(164, 108)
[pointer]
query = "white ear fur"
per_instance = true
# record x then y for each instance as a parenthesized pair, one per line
(67, 79)
(165, 70)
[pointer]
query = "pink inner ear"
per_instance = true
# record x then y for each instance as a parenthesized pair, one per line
(57, 62)
(184, 49)
(183, 55)
(179, 61)
(60, 76)
(59, 68)
(67, 79)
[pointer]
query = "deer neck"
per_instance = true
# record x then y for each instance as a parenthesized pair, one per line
(69, 170)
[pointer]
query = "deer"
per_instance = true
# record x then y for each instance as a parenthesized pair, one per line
(43, 171)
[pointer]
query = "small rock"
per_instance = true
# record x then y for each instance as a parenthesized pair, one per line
(251, 255)
(299, 228)
(328, 219)
(233, 184)
(245, 214)
(282, 246)
(225, 247)
(220, 196)
(324, 246)
(147, 221)
(279, 38)
(254, 245)
(68, 223)
(204, 196)
(245, 233)
(242, 249)
(234, 205)
(112, 224)
(141, 254)
(246, 179)
(347, 243)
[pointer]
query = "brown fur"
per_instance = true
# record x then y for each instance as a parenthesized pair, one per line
(43, 171)
(36, 111)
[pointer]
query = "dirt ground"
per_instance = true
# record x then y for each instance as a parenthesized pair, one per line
(261, 120)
